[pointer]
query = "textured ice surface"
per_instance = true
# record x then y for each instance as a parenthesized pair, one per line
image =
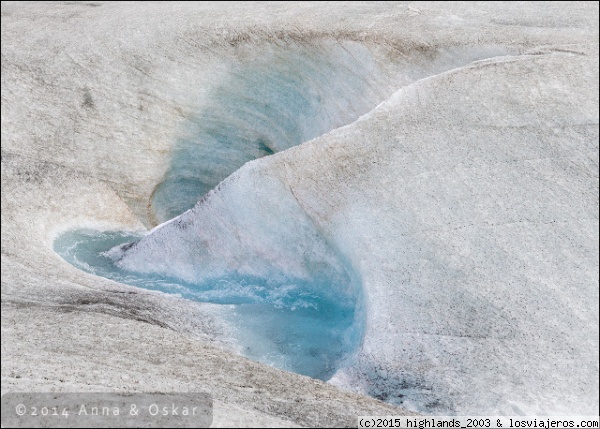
(268, 100)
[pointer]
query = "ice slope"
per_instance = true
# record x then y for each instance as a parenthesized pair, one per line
(466, 207)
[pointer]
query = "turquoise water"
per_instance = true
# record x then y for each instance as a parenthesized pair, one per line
(293, 325)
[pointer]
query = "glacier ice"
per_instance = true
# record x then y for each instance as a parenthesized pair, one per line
(462, 210)
(453, 303)
(268, 101)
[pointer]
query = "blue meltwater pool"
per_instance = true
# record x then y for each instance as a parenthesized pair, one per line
(294, 325)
